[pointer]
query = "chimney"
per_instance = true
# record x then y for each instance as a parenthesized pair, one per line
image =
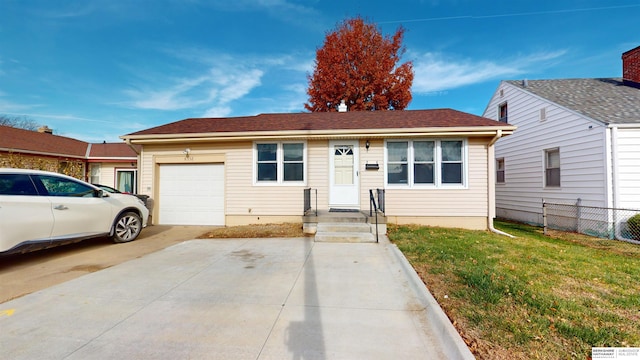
(45, 130)
(631, 67)
(342, 107)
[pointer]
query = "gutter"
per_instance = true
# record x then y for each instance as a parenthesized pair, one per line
(492, 184)
(128, 142)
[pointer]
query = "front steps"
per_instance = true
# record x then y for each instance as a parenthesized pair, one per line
(344, 227)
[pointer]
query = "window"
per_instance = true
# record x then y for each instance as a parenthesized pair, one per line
(280, 162)
(17, 184)
(543, 114)
(94, 178)
(65, 187)
(500, 171)
(397, 163)
(552, 167)
(502, 112)
(126, 181)
(422, 163)
(451, 162)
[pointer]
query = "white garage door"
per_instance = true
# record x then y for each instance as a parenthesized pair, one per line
(191, 194)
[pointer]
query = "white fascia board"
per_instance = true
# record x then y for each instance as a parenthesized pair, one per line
(360, 133)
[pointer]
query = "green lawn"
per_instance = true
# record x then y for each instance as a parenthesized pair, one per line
(533, 296)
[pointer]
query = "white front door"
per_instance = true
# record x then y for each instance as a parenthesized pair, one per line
(344, 179)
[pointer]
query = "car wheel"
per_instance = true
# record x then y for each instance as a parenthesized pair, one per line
(127, 227)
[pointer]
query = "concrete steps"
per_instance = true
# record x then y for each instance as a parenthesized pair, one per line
(345, 232)
(344, 227)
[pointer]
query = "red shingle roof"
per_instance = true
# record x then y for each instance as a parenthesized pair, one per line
(112, 150)
(351, 120)
(26, 141)
(20, 140)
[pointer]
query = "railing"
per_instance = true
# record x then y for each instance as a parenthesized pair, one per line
(608, 223)
(373, 207)
(307, 201)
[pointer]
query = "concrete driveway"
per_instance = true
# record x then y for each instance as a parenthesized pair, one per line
(236, 299)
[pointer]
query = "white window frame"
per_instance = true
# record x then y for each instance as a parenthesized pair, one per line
(94, 174)
(499, 170)
(437, 166)
(134, 186)
(279, 164)
(545, 161)
(505, 118)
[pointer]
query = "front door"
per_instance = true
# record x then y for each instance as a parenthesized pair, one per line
(344, 179)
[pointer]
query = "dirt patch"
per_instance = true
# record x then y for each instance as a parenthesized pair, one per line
(87, 268)
(256, 231)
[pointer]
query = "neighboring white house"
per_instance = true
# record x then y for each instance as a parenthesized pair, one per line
(435, 165)
(576, 139)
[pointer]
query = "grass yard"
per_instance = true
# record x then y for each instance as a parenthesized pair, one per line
(535, 296)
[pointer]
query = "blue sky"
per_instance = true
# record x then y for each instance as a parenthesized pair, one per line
(98, 69)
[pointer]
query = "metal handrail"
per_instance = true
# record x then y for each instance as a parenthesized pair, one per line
(307, 201)
(373, 207)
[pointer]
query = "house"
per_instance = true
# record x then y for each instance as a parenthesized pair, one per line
(578, 141)
(435, 166)
(111, 164)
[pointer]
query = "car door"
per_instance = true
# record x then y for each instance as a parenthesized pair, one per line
(77, 213)
(25, 217)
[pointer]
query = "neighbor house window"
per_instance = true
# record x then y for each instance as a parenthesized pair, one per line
(94, 178)
(552, 167)
(543, 114)
(500, 171)
(425, 163)
(502, 112)
(279, 162)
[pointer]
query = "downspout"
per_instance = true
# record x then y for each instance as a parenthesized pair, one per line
(128, 142)
(491, 193)
(615, 186)
(614, 164)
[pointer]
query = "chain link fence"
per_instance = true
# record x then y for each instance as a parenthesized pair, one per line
(609, 223)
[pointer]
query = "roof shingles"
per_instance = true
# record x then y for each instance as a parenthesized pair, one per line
(319, 121)
(27, 141)
(606, 100)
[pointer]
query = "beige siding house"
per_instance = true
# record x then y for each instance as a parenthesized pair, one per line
(435, 166)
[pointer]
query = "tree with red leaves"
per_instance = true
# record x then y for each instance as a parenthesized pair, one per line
(358, 64)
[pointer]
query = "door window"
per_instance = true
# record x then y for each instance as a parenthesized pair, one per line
(343, 164)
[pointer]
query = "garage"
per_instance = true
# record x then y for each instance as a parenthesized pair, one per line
(191, 194)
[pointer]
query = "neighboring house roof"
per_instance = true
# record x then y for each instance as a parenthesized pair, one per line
(27, 141)
(38, 143)
(323, 123)
(104, 150)
(606, 100)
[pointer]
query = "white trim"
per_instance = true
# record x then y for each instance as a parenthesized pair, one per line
(279, 164)
(437, 176)
(340, 196)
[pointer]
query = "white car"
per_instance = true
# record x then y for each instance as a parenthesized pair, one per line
(40, 209)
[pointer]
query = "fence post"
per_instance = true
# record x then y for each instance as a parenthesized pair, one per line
(544, 217)
(578, 215)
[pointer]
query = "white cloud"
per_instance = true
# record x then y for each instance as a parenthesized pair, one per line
(217, 83)
(434, 72)
(217, 112)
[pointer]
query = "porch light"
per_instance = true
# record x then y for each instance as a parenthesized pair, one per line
(367, 144)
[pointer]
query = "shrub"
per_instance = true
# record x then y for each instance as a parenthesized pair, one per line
(634, 226)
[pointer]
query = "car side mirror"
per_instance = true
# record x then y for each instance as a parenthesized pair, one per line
(99, 193)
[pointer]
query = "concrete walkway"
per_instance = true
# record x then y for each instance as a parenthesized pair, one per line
(236, 299)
